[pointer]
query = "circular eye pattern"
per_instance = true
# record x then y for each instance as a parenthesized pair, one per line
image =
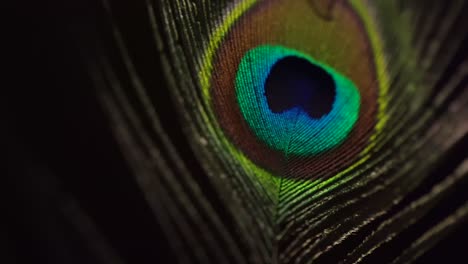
(293, 103)
(297, 95)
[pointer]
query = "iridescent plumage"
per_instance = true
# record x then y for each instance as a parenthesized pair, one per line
(286, 131)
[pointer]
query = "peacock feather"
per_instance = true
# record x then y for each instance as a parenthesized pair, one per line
(290, 131)
(314, 123)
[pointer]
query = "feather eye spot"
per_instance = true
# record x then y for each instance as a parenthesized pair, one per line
(293, 100)
(293, 103)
